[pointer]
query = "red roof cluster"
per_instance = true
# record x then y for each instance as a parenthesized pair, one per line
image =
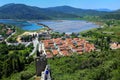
(68, 46)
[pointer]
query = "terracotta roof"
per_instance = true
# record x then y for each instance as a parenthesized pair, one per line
(76, 44)
(49, 55)
(55, 52)
(65, 53)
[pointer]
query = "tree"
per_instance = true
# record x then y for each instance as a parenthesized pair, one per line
(3, 49)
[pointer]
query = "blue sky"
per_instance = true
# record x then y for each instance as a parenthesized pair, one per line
(85, 4)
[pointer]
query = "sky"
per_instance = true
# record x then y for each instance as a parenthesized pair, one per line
(84, 4)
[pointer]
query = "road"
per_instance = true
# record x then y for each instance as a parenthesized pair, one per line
(8, 38)
(35, 43)
(28, 44)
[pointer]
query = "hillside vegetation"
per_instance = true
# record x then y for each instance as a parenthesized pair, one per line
(89, 66)
(21, 11)
(98, 65)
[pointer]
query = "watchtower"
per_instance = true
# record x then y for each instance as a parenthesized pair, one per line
(41, 62)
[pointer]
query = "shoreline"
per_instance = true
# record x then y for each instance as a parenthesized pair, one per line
(45, 26)
(79, 28)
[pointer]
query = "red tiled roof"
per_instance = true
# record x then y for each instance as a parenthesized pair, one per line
(49, 55)
(65, 45)
(65, 53)
(55, 52)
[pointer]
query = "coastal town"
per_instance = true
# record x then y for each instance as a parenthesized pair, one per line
(47, 44)
(59, 40)
(64, 45)
(53, 46)
(50, 47)
(58, 46)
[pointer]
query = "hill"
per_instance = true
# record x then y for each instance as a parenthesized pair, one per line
(98, 65)
(112, 15)
(21, 11)
(104, 9)
(117, 11)
(77, 11)
(91, 66)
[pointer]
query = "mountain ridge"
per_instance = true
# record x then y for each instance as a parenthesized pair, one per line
(104, 9)
(77, 11)
(22, 11)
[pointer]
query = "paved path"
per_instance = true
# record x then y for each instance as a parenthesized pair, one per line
(8, 43)
(41, 47)
(35, 43)
(28, 44)
(8, 38)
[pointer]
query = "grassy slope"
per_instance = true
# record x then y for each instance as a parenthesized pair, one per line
(114, 29)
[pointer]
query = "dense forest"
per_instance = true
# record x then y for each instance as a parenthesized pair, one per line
(115, 16)
(14, 59)
(89, 66)
(21, 11)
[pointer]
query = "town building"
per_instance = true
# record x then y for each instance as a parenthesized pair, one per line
(66, 47)
(114, 45)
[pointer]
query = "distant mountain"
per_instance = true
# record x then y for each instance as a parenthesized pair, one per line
(112, 15)
(117, 11)
(21, 11)
(104, 9)
(77, 11)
